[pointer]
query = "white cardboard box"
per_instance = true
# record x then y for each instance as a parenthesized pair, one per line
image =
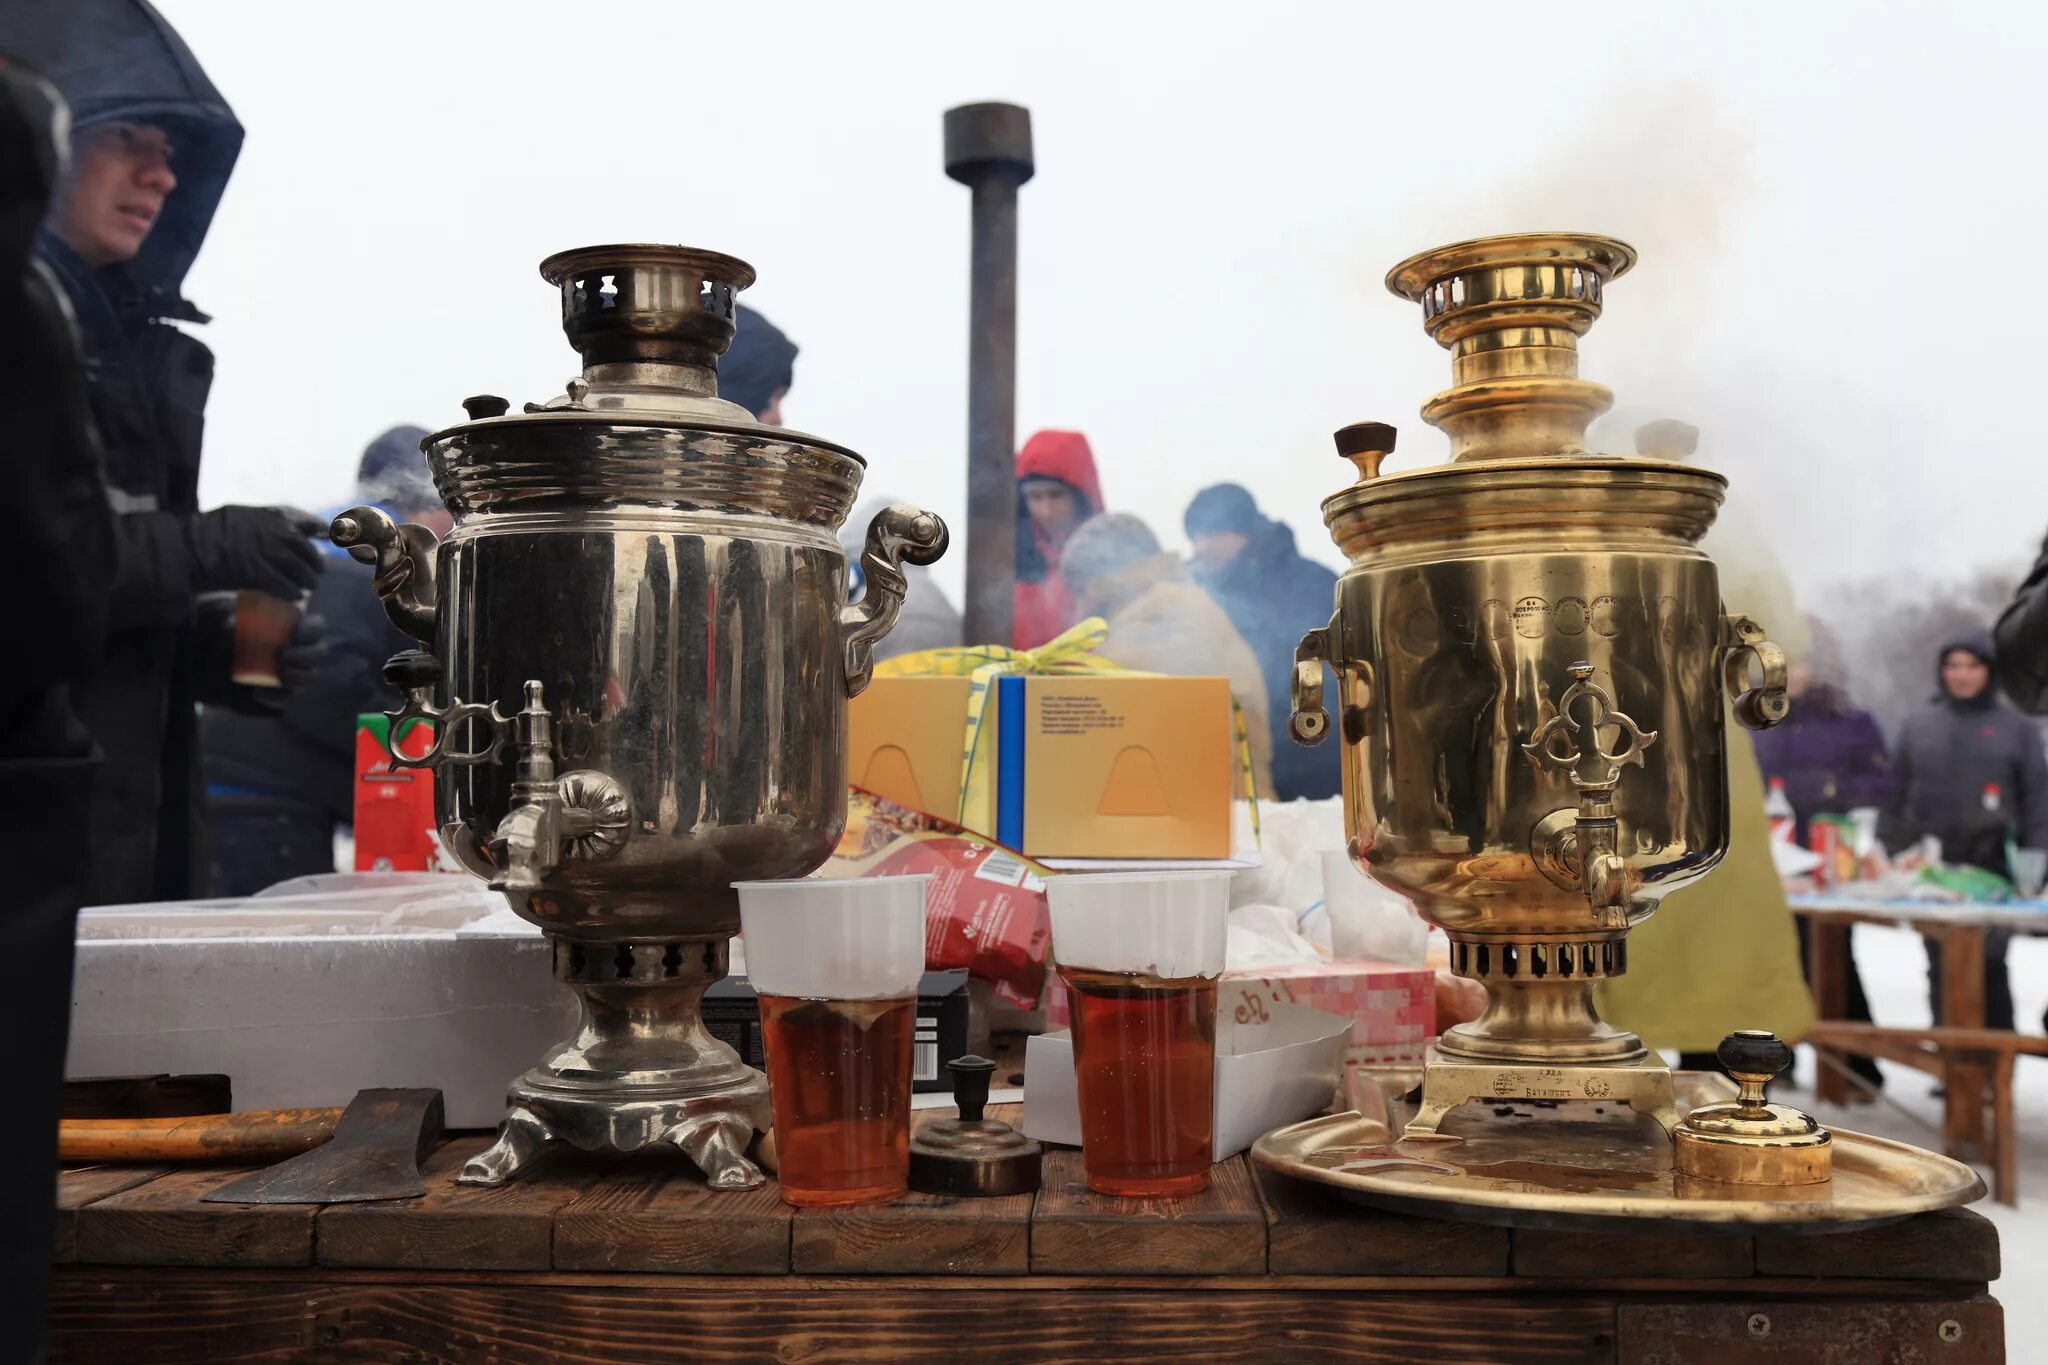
(306, 999)
(1268, 1073)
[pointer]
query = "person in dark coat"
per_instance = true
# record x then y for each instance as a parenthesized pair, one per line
(279, 785)
(758, 368)
(60, 551)
(153, 145)
(1831, 758)
(1972, 773)
(1273, 595)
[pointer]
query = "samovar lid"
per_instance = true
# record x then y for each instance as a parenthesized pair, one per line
(650, 322)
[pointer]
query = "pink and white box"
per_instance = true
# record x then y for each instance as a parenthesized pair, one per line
(1392, 1009)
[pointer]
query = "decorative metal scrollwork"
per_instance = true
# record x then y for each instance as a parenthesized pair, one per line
(1574, 758)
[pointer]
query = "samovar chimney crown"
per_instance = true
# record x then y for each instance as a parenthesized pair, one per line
(1510, 310)
(629, 308)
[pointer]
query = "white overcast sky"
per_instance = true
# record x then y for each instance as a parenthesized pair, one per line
(1836, 206)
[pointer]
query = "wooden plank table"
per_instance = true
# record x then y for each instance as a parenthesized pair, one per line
(636, 1260)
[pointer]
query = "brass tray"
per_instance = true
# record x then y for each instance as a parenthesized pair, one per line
(1528, 1166)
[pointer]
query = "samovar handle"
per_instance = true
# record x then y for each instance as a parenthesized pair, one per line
(897, 536)
(404, 557)
(1308, 721)
(1760, 707)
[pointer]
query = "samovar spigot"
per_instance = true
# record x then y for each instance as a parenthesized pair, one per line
(1594, 772)
(528, 841)
(580, 815)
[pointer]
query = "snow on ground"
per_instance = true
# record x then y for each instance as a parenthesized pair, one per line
(1895, 975)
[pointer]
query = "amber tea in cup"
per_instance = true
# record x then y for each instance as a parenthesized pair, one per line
(263, 626)
(1140, 956)
(835, 965)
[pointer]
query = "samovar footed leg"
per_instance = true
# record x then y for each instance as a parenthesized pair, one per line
(640, 1071)
(717, 1143)
(522, 1138)
(1429, 1119)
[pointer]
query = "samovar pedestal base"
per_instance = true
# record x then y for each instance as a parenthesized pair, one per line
(1642, 1083)
(641, 1071)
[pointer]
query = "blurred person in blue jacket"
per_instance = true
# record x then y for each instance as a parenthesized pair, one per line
(280, 785)
(1273, 595)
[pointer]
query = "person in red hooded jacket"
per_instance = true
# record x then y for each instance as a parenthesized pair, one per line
(1057, 490)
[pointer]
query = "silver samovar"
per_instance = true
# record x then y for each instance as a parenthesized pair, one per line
(641, 655)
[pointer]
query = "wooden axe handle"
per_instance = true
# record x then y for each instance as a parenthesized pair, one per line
(256, 1135)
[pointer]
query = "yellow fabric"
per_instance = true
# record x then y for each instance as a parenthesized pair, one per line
(1072, 652)
(1723, 953)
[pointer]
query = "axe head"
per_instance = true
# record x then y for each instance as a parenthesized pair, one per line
(375, 1153)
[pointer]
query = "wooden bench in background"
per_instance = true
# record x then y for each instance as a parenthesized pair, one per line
(1942, 1051)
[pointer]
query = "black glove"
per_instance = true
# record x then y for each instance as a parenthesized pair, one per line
(257, 548)
(305, 656)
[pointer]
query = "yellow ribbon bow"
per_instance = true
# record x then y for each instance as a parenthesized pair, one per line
(1070, 652)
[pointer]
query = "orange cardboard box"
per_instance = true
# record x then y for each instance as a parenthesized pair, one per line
(903, 741)
(1116, 766)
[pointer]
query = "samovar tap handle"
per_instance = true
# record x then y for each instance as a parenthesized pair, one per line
(416, 673)
(1594, 772)
(404, 557)
(1760, 707)
(897, 536)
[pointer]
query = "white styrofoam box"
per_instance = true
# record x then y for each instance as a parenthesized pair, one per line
(1269, 1072)
(304, 999)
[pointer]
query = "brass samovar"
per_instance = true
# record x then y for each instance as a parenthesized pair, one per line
(640, 657)
(1534, 665)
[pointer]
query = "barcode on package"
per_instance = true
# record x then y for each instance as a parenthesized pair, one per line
(924, 1052)
(1001, 867)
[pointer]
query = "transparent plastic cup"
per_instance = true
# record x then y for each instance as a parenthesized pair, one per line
(263, 626)
(835, 965)
(1140, 954)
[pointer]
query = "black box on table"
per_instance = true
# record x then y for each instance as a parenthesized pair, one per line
(733, 1017)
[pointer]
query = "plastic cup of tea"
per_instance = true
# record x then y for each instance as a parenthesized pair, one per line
(835, 965)
(263, 626)
(1140, 954)
(2029, 867)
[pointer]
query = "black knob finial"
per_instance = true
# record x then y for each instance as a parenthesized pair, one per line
(411, 669)
(970, 1085)
(482, 405)
(1754, 1052)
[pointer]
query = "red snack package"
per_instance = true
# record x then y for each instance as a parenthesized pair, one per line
(986, 907)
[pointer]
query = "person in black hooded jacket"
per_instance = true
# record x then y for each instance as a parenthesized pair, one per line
(60, 546)
(153, 145)
(1273, 595)
(1971, 772)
